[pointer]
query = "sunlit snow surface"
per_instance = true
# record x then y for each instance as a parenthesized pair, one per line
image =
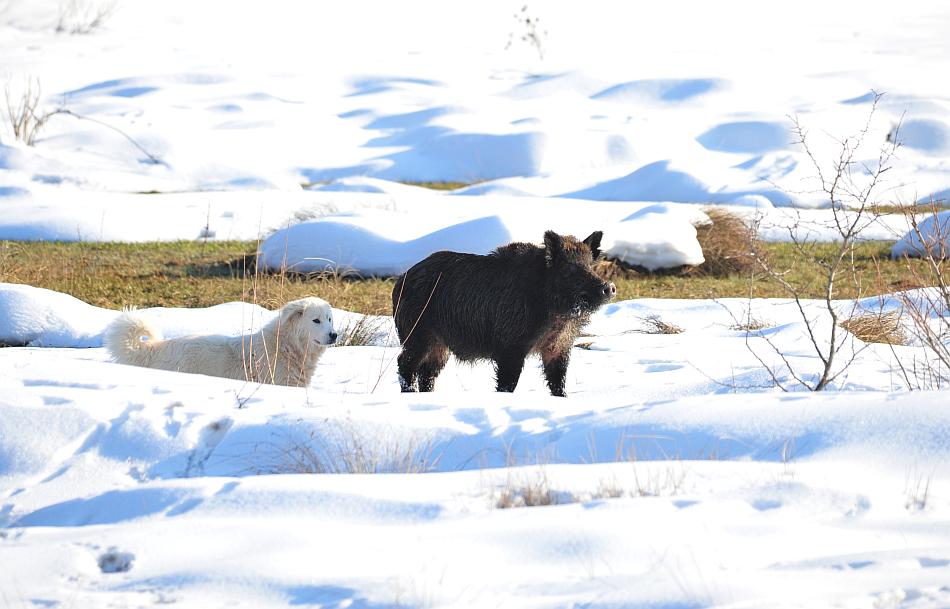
(683, 477)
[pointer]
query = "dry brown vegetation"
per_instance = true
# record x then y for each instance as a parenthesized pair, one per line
(198, 274)
(181, 274)
(728, 244)
(884, 328)
(654, 325)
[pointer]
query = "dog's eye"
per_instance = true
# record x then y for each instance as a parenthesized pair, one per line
(316, 321)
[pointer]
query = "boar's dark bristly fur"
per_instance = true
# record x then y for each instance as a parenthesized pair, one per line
(519, 299)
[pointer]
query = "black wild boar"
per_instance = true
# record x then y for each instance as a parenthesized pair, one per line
(517, 300)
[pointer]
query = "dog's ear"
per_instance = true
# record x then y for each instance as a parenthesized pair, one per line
(294, 310)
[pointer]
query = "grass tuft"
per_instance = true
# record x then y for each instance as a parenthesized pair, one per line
(884, 328)
(727, 243)
(345, 449)
(365, 331)
(655, 325)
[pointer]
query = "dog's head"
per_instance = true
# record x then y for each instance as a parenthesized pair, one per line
(310, 319)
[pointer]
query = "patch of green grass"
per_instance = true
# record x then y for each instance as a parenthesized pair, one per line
(198, 274)
(182, 274)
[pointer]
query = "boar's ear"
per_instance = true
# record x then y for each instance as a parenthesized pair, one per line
(553, 244)
(593, 242)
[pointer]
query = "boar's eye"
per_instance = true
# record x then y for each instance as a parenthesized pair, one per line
(316, 321)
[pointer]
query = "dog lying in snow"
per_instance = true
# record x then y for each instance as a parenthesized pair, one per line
(283, 352)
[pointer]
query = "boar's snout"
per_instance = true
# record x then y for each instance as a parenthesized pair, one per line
(609, 290)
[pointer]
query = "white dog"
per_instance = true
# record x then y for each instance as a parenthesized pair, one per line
(283, 352)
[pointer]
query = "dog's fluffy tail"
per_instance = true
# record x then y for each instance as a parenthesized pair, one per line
(128, 338)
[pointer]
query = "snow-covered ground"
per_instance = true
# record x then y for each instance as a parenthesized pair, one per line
(681, 476)
(646, 102)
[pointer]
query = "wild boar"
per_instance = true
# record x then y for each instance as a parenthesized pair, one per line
(518, 300)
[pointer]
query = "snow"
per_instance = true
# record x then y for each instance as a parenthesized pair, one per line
(681, 475)
(657, 237)
(679, 478)
(346, 246)
(930, 238)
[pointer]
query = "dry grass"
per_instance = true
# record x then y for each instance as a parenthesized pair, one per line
(529, 492)
(908, 209)
(751, 324)
(180, 274)
(655, 325)
(22, 114)
(365, 331)
(884, 328)
(344, 449)
(728, 244)
(198, 273)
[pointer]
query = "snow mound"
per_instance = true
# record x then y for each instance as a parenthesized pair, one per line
(44, 318)
(934, 238)
(659, 90)
(661, 181)
(657, 237)
(498, 187)
(348, 245)
(753, 137)
(38, 317)
(929, 136)
(466, 157)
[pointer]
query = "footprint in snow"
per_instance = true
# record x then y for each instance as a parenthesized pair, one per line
(114, 561)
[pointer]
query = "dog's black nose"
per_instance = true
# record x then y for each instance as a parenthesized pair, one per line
(333, 336)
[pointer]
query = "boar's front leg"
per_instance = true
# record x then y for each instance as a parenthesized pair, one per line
(508, 367)
(555, 370)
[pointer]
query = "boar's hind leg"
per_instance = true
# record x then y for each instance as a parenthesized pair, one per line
(407, 371)
(432, 365)
(555, 370)
(508, 368)
(408, 364)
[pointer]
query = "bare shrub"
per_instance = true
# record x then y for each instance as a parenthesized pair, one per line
(928, 308)
(22, 111)
(884, 328)
(530, 31)
(83, 16)
(26, 122)
(850, 184)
